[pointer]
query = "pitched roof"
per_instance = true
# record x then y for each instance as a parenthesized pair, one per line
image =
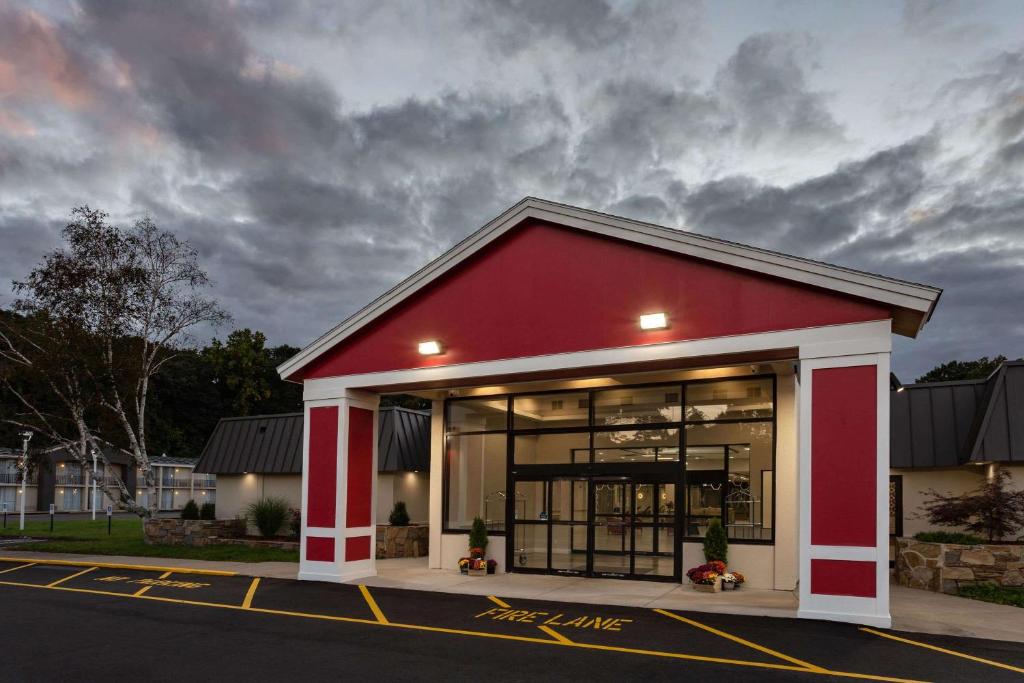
(912, 303)
(272, 444)
(947, 424)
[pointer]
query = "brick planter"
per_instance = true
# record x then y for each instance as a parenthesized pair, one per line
(944, 567)
(193, 532)
(402, 541)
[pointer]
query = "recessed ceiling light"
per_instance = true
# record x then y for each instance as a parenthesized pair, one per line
(653, 321)
(431, 347)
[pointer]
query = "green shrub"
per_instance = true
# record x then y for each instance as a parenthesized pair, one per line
(399, 515)
(208, 511)
(296, 524)
(190, 511)
(478, 536)
(716, 545)
(948, 537)
(268, 515)
(989, 592)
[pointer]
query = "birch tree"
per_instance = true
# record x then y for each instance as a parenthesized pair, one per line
(98, 319)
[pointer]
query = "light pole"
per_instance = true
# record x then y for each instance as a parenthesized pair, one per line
(94, 454)
(23, 465)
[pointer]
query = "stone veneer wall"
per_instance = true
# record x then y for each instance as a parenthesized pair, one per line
(943, 567)
(402, 541)
(174, 531)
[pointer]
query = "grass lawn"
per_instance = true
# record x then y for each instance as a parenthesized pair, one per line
(89, 537)
(992, 593)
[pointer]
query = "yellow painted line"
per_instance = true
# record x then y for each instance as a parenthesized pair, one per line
(499, 602)
(142, 591)
(14, 569)
(943, 650)
(742, 641)
(381, 619)
(116, 565)
(480, 634)
(555, 634)
(68, 578)
(247, 603)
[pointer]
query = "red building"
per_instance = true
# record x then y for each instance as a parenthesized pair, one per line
(604, 389)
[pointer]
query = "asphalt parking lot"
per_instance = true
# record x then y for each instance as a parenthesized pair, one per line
(61, 621)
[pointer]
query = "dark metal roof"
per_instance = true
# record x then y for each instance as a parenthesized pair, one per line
(403, 443)
(272, 444)
(947, 424)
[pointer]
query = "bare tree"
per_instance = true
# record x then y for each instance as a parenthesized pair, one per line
(98, 319)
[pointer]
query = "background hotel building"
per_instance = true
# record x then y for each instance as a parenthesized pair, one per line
(596, 442)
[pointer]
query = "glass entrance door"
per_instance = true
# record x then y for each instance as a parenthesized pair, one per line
(615, 527)
(634, 529)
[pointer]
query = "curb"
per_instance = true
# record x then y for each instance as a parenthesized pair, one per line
(117, 565)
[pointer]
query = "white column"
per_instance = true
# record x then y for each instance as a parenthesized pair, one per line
(437, 457)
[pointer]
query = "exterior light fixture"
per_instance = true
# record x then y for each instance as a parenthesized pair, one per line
(431, 347)
(894, 383)
(653, 321)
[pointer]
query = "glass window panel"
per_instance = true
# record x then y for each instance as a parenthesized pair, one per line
(550, 449)
(730, 399)
(531, 500)
(569, 500)
(531, 551)
(476, 480)
(564, 539)
(549, 411)
(646, 405)
(637, 445)
(742, 489)
(478, 415)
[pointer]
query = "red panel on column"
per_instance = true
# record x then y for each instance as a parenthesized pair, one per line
(843, 456)
(359, 497)
(321, 489)
(319, 549)
(843, 577)
(357, 548)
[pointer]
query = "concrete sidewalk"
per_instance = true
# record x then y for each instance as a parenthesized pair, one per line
(912, 610)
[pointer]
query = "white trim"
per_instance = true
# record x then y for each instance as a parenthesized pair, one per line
(917, 298)
(844, 552)
(860, 338)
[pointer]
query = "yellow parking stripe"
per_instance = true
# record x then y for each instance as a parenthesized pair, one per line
(247, 603)
(142, 591)
(68, 578)
(12, 569)
(481, 634)
(381, 619)
(742, 641)
(943, 650)
(499, 602)
(118, 565)
(555, 634)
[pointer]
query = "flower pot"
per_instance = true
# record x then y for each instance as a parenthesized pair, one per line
(478, 572)
(708, 587)
(728, 585)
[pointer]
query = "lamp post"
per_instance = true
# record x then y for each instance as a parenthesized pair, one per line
(94, 454)
(23, 465)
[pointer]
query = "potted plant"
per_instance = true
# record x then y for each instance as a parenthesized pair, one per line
(492, 566)
(732, 580)
(478, 538)
(707, 578)
(716, 545)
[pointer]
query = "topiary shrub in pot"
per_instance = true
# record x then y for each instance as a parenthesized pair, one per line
(268, 515)
(208, 511)
(399, 515)
(716, 545)
(478, 538)
(190, 511)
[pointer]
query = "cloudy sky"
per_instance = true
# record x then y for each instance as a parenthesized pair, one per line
(318, 152)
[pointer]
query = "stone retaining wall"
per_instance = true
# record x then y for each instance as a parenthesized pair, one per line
(402, 541)
(258, 543)
(944, 567)
(174, 531)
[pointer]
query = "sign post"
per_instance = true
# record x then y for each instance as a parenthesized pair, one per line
(52, 510)
(110, 517)
(23, 466)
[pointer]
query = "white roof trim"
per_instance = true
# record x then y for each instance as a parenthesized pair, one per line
(914, 298)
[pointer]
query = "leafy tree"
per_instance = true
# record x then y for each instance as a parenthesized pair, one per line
(245, 372)
(99, 318)
(968, 369)
(993, 509)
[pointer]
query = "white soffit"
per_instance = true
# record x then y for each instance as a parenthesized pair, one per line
(914, 301)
